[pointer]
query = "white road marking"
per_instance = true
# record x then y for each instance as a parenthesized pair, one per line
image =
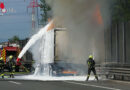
(109, 88)
(18, 83)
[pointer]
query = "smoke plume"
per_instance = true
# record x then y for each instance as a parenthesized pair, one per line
(85, 21)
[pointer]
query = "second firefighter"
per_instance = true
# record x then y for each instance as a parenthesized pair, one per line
(91, 67)
(11, 65)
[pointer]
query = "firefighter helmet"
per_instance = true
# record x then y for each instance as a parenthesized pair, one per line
(90, 56)
(1, 58)
(10, 57)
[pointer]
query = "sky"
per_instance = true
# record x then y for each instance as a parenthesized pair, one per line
(17, 21)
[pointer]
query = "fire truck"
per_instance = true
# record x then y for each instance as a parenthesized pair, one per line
(9, 50)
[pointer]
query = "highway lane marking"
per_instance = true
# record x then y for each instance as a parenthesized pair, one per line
(109, 88)
(18, 83)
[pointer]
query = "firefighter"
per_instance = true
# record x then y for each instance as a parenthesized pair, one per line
(91, 67)
(2, 67)
(11, 65)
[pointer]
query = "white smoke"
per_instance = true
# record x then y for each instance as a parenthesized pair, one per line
(85, 35)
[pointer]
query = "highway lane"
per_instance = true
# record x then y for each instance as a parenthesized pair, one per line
(62, 85)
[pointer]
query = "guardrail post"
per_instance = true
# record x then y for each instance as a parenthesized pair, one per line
(122, 77)
(114, 77)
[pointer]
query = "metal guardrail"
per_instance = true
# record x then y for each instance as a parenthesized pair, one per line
(122, 72)
(113, 72)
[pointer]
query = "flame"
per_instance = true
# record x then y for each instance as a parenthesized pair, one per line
(69, 72)
(51, 25)
(98, 15)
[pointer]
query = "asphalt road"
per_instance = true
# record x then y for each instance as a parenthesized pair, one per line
(62, 85)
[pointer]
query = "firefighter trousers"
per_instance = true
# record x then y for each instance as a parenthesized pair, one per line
(2, 71)
(94, 72)
(12, 71)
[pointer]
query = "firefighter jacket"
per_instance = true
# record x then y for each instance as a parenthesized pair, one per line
(1, 63)
(91, 63)
(11, 63)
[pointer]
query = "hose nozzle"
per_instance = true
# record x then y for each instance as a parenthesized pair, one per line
(18, 61)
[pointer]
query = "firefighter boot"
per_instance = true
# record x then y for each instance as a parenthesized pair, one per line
(96, 77)
(10, 75)
(2, 76)
(87, 78)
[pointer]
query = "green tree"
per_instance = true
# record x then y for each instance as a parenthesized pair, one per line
(44, 8)
(121, 10)
(14, 39)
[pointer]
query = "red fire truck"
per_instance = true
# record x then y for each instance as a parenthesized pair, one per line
(9, 50)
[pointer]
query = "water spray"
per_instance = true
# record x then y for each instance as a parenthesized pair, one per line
(45, 51)
(33, 40)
